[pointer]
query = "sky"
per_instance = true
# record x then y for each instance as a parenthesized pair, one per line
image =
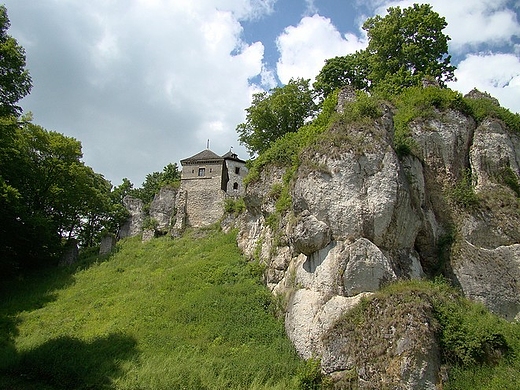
(145, 83)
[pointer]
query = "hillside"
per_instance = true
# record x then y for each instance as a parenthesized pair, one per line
(169, 314)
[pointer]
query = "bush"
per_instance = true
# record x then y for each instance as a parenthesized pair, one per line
(463, 193)
(481, 109)
(310, 376)
(364, 107)
(234, 206)
(420, 103)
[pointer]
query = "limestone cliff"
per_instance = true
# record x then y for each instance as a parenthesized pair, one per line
(361, 215)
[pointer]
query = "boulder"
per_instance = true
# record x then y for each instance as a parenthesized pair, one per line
(310, 235)
(107, 244)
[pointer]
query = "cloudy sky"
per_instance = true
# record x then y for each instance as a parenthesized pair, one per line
(143, 83)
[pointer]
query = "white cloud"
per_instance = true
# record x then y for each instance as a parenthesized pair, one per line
(140, 83)
(497, 74)
(310, 7)
(304, 48)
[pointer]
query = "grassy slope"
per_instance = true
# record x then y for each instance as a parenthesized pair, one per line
(186, 313)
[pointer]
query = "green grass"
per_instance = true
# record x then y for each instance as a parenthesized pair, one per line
(168, 314)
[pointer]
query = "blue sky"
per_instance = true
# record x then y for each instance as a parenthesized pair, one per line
(143, 83)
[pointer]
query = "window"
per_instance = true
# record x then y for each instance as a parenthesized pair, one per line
(202, 171)
(235, 186)
(237, 170)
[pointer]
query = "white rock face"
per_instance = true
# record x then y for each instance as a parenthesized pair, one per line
(310, 235)
(362, 217)
(494, 149)
(134, 225)
(162, 207)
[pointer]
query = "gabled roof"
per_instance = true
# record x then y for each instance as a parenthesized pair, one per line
(232, 156)
(210, 156)
(205, 155)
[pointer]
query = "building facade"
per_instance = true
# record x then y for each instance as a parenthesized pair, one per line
(207, 179)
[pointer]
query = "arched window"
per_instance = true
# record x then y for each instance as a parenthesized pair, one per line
(235, 186)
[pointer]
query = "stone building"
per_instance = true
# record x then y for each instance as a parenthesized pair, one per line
(207, 179)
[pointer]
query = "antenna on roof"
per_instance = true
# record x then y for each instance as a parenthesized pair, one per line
(207, 145)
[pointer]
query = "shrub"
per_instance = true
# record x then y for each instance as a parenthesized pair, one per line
(234, 206)
(310, 376)
(463, 192)
(420, 103)
(364, 107)
(481, 109)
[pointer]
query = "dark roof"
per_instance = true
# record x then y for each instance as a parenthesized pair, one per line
(232, 156)
(209, 156)
(205, 155)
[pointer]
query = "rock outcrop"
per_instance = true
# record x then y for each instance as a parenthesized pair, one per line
(363, 216)
(162, 208)
(134, 224)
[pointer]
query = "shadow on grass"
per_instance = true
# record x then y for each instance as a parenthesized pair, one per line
(70, 363)
(63, 363)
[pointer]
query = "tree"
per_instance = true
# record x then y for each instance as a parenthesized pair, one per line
(15, 81)
(170, 176)
(339, 71)
(51, 196)
(272, 114)
(405, 47)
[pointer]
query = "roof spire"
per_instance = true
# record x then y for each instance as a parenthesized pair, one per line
(207, 145)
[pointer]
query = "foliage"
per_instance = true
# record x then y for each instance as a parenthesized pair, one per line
(340, 71)
(284, 151)
(509, 178)
(310, 376)
(169, 314)
(150, 223)
(404, 47)
(364, 107)
(276, 113)
(463, 192)
(407, 45)
(49, 195)
(483, 108)
(421, 103)
(170, 176)
(15, 81)
(234, 206)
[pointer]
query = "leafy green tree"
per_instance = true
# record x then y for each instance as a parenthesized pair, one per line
(118, 213)
(50, 196)
(405, 47)
(170, 176)
(339, 71)
(272, 114)
(15, 81)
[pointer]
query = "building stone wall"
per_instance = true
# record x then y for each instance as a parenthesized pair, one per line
(206, 180)
(236, 172)
(204, 201)
(211, 169)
